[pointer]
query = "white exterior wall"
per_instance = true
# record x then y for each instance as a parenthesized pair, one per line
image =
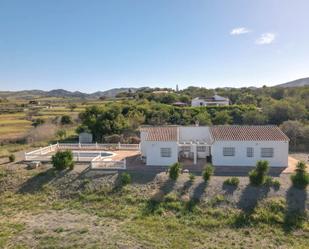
(153, 153)
(280, 158)
(142, 143)
(201, 102)
(85, 138)
(197, 102)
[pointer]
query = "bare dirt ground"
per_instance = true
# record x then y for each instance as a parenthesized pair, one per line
(47, 209)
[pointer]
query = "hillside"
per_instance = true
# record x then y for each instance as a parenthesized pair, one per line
(29, 94)
(43, 208)
(295, 83)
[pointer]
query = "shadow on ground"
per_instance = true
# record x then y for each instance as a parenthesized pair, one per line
(295, 215)
(229, 189)
(198, 191)
(36, 183)
(250, 197)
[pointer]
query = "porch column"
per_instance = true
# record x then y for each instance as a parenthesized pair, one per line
(194, 147)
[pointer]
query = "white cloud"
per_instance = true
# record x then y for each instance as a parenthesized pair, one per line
(266, 38)
(240, 31)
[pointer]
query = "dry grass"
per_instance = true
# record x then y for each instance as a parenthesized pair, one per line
(45, 209)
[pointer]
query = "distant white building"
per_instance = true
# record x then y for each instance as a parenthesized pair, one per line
(227, 145)
(215, 100)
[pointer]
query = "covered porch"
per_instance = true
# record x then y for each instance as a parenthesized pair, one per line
(194, 152)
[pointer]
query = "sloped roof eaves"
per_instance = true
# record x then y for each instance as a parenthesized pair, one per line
(161, 134)
(247, 133)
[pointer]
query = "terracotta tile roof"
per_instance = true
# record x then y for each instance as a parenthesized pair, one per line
(164, 133)
(246, 133)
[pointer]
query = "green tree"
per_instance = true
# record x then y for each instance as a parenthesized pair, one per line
(247, 99)
(254, 117)
(301, 177)
(174, 171)
(66, 120)
(222, 117)
(203, 118)
(208, 172)
(293, 129)
(258, 175)
(63, 160)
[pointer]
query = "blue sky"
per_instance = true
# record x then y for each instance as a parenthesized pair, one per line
(91, 45)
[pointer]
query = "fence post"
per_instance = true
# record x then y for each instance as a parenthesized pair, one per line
(78, 156)
(79, 145)
(57, 145)
(119, 145)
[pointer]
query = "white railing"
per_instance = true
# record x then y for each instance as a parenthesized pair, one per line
(99, 146)
(44, 150)
(43, 154)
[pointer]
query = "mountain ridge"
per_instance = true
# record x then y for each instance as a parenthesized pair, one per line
(295, 83)
(111, 93)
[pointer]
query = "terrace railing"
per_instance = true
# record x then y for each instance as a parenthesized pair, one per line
(99, 146)
(44, 154)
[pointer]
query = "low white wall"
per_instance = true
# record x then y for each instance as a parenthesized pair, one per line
(153, 153)
(280, 158)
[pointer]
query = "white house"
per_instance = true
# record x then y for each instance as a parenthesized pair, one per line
(215, 100)
(227, 145)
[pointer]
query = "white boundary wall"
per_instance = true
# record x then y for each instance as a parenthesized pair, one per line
(98, 162)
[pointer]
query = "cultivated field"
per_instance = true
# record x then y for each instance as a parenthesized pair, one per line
(16, 117)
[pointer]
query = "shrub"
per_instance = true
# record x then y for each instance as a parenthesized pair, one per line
(125, 178)
(233, 181)
(61, 134)
(258, 175)
(276, 184)
(174, 171)
(208, 172)
(66, 119)
(268, 181)
(12, 158)
(63, 160)
(37, 122)
(301, 178)
(191, 177)
(271, 182)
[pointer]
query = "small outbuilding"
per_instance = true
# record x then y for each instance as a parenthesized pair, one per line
(85, 138)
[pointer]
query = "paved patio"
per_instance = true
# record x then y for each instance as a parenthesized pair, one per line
(134, 163)
(292, 166)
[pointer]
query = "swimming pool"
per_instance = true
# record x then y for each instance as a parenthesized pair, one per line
(92, 154)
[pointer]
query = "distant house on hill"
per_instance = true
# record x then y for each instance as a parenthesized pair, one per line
(160, 92)
(179, 104)
(215, 100)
